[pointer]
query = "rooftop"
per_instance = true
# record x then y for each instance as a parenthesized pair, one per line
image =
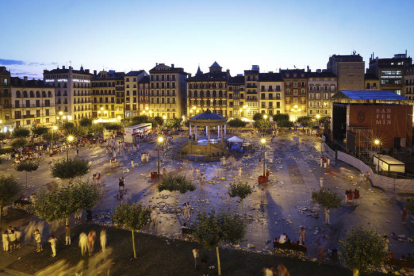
(207, 115)
(368, 95)
(370, 76)
(236, 80)
(134, 73)
(270, 77)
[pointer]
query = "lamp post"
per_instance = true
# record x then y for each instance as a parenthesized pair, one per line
(53, 128)
(377, 142)
(160, 139)
(68, 140)
(263, 142)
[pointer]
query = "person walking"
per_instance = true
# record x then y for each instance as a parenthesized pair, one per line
(102, 238)
(53, 241)
(12, 241)
(154, 215)
(404, 216)
(121, 184)
(132, 163)
(327, 218)
(196, 256)
(91, 241)
(5, 240)
(18, 237)
(188, 211)
(184, 210)
(67, 235)
(321, 181)
(83, 241)
(38, 239)
(302, 236)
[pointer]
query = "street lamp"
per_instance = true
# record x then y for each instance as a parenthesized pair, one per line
(69, 139)
(53, 128)
(265, 117)
(317, 117)
(377, 142)
(60, 113)
(160, 139)
(263, 142)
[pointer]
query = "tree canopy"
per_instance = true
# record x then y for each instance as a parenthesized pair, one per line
(280, 117)
(305, 121)
(9, 189)
(240, 190)
(27, 166)
(362, 250)
(262, 124)
(173, 123)
(113, 126)
(174, 183)
(159, 120)
(19, 143)
(257, 116)
(48, 136)
(327, 198)
(140, 119)
(61, 203)
(21, 133)
(39, 130)
(68, 126)
(85, 122)
(69, 168)
(236, 122)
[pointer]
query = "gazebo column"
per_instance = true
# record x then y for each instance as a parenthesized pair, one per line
(225, 130)
(195, 134)
(222, 133)
(218, 132)
(190, 131)
(208, 133)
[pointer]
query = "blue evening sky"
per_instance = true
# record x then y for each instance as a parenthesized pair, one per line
(126, 35)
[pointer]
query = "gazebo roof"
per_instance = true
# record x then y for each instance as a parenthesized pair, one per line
(207, 115)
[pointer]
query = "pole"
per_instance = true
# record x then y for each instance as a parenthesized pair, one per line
(264, 161)
(52, 141)
(158, 176)
(67, 151)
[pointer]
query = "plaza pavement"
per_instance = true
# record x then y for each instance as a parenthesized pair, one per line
(295, 172)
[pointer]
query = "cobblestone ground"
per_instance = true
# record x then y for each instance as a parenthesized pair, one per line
(295, 172)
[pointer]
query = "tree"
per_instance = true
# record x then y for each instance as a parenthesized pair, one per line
(305, 121)
(262, 124)
(9, 189)
(69, 168)
(68, 126)
(48, 136)
(39, 130)
(113, 126)
(240, 190)
(134, 216)
(323, 120)
(95, 128)
(362, 250)
(21, 133)
(27, 166)
(173, 123)
(159, 120)
(211, 230)
(327, 198)
(236, 122)
(19, 143)
(174, 183)
(257, 116)
(85, 122)
(140, 119)
(285, 124)
(280, 117)
(61, 203)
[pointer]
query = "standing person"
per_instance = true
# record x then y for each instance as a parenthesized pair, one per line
(154, 214)
(53, 241)
(327, 218)
(282, 270)
(188, 210)
(386, 242)
(132, 163)
(91, 241)
(38, 239)
(77, 151)
(83, 241)
(346, 196)
(361, 178)
(184, 210)
(196, 256)
(302, 236)
(5, 240)
(350, 193)
(356, 196)
(321, 181)
(18, 237)
(12, 241)
(67, 235)
(102, 238)
(404, 216)
(121, 184)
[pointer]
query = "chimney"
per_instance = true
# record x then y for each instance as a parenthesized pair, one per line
(25, 79)
(63, 67)
(87, 71)
(94, 72)
(308, 68)
(172, 65)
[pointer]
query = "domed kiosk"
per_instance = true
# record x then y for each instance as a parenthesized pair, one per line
(206, 137)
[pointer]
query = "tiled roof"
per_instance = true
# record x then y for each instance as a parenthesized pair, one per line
(320, 75)
(17, 82)
(368, 95)
(236, 80)
(207, 115)
(209, 76)
(145, 79)
(215, 64)
(134, 73)
(270, 77)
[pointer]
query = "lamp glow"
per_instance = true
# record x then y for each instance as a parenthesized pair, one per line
(263, 141)
(160, 139)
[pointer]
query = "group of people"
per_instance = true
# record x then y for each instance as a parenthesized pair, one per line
(284, 238)
(352, 196)
(11, 239)
(87, 242)
(280, 271)
(187, 211)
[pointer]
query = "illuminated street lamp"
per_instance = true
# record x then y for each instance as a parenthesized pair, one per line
(265, 117)
(263, 142)
(69, 139)
(160, 140)
(377, 142)
(60, 113)
(317, 117)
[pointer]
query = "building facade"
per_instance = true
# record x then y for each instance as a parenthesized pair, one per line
(251, 78)
(236, 96)
(6, 124)
(72, 93)
(371, 82)
(296, 83)
(208, 91)
(108, 95)
(271, 100)
(168, 91)
(33, 103)
(390, 71)
(131, 92)
(350, 70)
(144, 92)
(321, 87)
(409, 83)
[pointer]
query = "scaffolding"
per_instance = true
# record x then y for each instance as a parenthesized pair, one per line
(364, 147)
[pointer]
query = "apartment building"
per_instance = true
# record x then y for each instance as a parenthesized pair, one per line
(349, 69)
(321, 87)
(33, 103)
(371, 82)
(208, 91)
(251, 77)
(168, 91)
(6, 123)
(296, 83)
(409, 83)
(144, 92)
(236, 96)
(72, 92)
(131, 92)
(108, 95)
(271, 100)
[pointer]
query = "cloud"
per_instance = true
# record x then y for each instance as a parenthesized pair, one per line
(11, 62)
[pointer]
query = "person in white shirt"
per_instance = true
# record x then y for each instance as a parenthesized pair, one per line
(5, 240)
(53, 241)
(12, 241)
(38, 239)
(282, 238)
(196, 256)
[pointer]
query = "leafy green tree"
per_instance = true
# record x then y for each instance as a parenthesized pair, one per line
(9, 189)
(19, 143)
(159, 120)
(211, 230)
(2, 136)
(27, 166)
(173, 123)
(285, 124)
(134, 216)
(85, 122)
(280, 117)
(363, 250)
(61, 203)
(153, 122)
(95, 128)
(257, 116)
(236, 122)
(174, 183)
(113, 126)
(323, 120)
(68, 126)
(21, 133)
(39, 130)
(327, 198)
(140, 119)
(48, 136)
(240, 190)
(262, 124)
(69, 168)
(306, 121)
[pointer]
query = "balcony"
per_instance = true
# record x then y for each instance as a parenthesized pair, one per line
(251, 86)
(28, 116)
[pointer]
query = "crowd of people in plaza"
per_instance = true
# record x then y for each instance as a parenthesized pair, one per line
(11, 239)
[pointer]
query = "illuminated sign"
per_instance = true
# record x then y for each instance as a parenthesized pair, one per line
(65, 80)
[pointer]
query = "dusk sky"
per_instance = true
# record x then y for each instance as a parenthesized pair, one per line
(132, 35)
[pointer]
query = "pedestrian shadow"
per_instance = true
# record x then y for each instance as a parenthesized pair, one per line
(137, 196)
